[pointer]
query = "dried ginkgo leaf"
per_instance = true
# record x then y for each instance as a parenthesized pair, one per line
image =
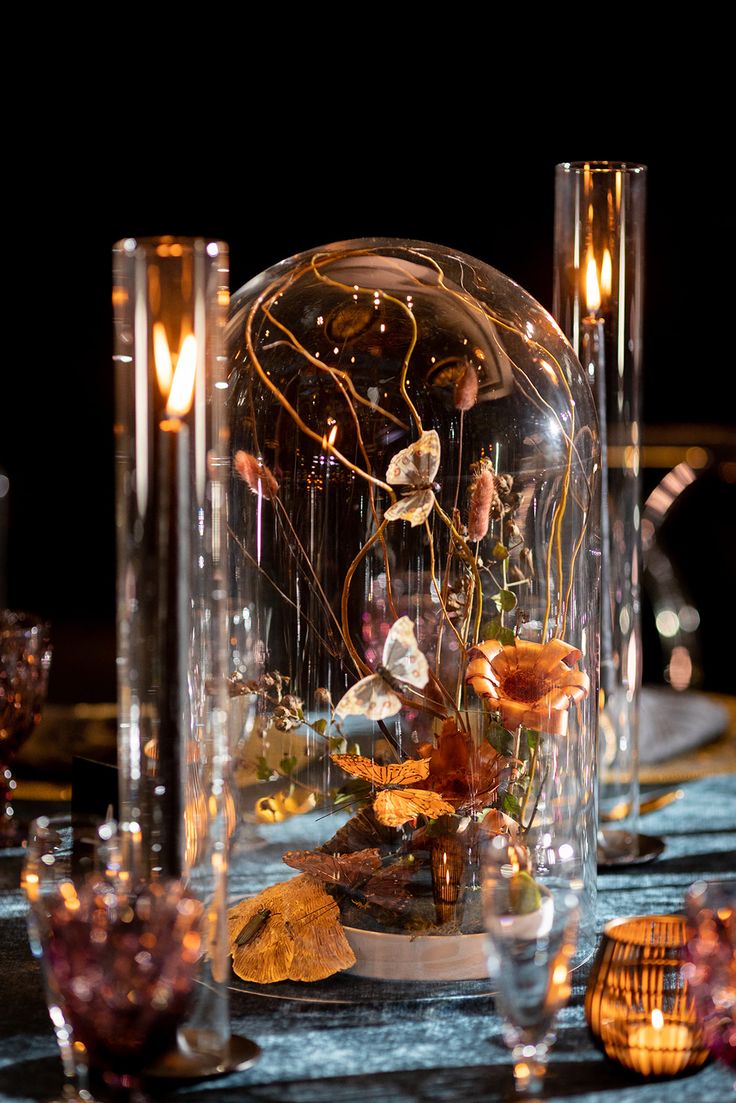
(289, 931)
(321, 947)
(260, 941)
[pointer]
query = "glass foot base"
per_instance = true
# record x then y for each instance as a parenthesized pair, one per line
(12, 833)
(178, 1065)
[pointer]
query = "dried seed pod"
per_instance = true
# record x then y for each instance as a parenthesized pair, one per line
(481, 500)
(254, 472)
(466, 389)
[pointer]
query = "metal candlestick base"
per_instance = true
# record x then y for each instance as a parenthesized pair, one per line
(182, 1066)
(614, 848)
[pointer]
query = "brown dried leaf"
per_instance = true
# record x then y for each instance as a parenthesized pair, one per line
(361, 832)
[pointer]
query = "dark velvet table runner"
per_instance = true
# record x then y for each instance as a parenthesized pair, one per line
(378, 1051)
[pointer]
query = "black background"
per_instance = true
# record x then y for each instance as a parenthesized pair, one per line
(272, 180)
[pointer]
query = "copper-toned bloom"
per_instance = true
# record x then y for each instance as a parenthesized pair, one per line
(465, 775)
(532, 684)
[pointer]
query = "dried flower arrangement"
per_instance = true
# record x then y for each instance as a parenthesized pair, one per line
(489, 690)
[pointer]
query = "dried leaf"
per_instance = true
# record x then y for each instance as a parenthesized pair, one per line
(322, 947)
(301, 939)
(361, 832)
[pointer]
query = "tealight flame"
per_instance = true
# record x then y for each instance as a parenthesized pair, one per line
(559, 975)
(175, 383)
(592, 287)
(657, 1019)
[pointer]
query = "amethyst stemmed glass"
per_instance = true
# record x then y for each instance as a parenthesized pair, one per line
(25, 656)
(710, 963)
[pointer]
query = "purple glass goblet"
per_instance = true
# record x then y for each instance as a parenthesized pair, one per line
(709, 965)
(124, 961)
(25, 656)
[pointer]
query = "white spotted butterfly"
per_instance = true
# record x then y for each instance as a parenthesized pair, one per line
(402, 664)
(415, 467)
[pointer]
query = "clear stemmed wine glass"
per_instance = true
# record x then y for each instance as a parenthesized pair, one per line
(119, 959)
(25, 656)
(709, 965)
(531, 930)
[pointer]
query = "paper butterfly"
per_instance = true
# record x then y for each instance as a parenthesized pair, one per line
(395, 807)
(415, 467)
(402, 664)
(337, 869)
(360, 873)
(398, 773)
(387, 888)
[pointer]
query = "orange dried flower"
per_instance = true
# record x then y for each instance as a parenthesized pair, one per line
(529, 683)
(465, 775)
(255, 473)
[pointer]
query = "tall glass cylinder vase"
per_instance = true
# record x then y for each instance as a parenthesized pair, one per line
(414, 516)
(598, 293)
(170, 299)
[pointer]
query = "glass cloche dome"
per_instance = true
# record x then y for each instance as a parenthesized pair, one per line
(414, 578)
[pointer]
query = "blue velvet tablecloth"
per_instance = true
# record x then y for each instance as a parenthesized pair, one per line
(440, 1051)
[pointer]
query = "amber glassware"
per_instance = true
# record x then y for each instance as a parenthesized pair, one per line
(637, 1004)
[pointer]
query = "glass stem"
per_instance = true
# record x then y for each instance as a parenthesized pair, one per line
(530, 1066)
(127, 1088)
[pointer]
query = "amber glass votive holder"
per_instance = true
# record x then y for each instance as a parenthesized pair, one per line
(637, 1003)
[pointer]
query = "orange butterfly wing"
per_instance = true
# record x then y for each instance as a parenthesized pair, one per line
(398, 773)
(395, 807)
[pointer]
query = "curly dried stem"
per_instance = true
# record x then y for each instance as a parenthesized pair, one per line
(286, 405)
(356, 289)
(470, 560)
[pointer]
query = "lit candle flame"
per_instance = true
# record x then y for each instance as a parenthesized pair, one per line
(162, 358)
(657, 1019)
(176, 383)
(182, 385)
(592, 287)
(606, 273)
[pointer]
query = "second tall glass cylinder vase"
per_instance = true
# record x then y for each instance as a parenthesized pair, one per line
(598, 293)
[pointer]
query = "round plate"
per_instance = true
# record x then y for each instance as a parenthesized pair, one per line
(615, 852)
(178, 1065)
